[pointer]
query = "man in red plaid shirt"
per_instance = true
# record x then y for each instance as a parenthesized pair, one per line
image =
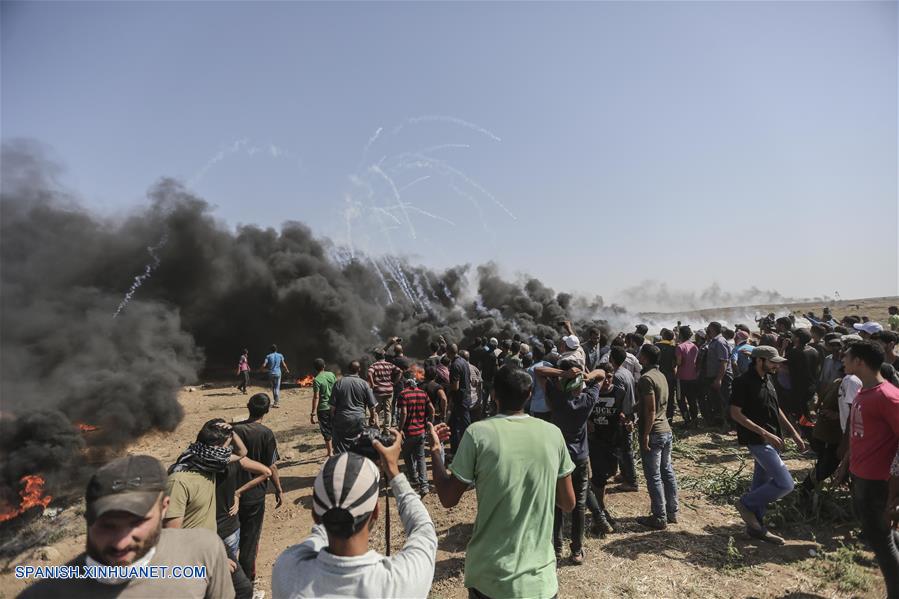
(382, 376)
(414, 409)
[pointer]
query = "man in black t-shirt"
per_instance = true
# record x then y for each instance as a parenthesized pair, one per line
(404, 363)
(805, 367)
(227, 504)
(261, 447)
(667, 364)
(604, 431)
(459, 396)
(756, 411)
(488, 366)
(571, 396)
(436, 395)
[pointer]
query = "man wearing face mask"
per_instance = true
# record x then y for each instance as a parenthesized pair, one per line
(126, 505)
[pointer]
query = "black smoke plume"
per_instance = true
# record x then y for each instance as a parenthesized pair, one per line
(208, 292)
(64, 359)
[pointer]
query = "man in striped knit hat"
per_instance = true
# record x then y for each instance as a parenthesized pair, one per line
(335, 560)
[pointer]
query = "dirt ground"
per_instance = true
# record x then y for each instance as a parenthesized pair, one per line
(707, 554)
(690, 559)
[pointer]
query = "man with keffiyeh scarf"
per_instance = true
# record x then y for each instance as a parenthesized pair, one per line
(191, 486)
(191, 483)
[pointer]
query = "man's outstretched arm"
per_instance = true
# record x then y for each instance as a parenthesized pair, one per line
(449, 488)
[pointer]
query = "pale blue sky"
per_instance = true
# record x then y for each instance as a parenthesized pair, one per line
(684, 142)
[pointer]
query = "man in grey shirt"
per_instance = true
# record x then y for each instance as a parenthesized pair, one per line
(625, 391)
(719, 375)
(349, 398)
(335, 561)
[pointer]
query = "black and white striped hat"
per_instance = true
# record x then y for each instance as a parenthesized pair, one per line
(345, 492)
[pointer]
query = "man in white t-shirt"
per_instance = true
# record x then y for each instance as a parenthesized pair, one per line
(849, 386)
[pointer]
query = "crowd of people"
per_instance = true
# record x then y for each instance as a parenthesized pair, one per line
(539, 428)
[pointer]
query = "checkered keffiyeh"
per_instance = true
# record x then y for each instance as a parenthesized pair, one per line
(200, 457)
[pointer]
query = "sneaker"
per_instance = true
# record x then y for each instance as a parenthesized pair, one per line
(751, 520)
(423, 491)
(628, 488)
(275, 405)
(652, 522)
(578, 558)
(672, 518)
(764, 535)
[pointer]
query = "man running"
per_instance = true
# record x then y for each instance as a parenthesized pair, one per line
(760, 420)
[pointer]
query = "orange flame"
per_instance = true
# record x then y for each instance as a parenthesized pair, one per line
(86, 428)
(306, 381)
(31, 497)
(419, 372)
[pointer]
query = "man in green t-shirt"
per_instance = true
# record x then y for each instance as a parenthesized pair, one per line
(321, 401)
(521, 470)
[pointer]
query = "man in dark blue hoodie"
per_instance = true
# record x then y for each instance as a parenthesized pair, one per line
(571, 396)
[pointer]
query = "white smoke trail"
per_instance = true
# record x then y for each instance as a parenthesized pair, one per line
(448, 294)
(447, 119)
(383, 280)
(416, 160)
(443, 147)
(477, 207)
(413, 182)
(237, 147)
(425, 300)
(398, 278)
(386, 212)
(396, 194)
(371, 140)
(216, 158)
(413, 208)
(148, 270)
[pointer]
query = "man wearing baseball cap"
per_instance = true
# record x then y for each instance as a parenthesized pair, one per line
(756, 411)
(866, 329)
(126, 504)
(335, 560)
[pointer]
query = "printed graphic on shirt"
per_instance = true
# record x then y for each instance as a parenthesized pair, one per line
(858, 426)
(604, 411)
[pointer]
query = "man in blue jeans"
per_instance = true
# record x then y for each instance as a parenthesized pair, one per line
(756, 410)
(655, 441)
(273, 363)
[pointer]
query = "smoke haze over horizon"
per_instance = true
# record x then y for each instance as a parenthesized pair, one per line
(196, 292)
